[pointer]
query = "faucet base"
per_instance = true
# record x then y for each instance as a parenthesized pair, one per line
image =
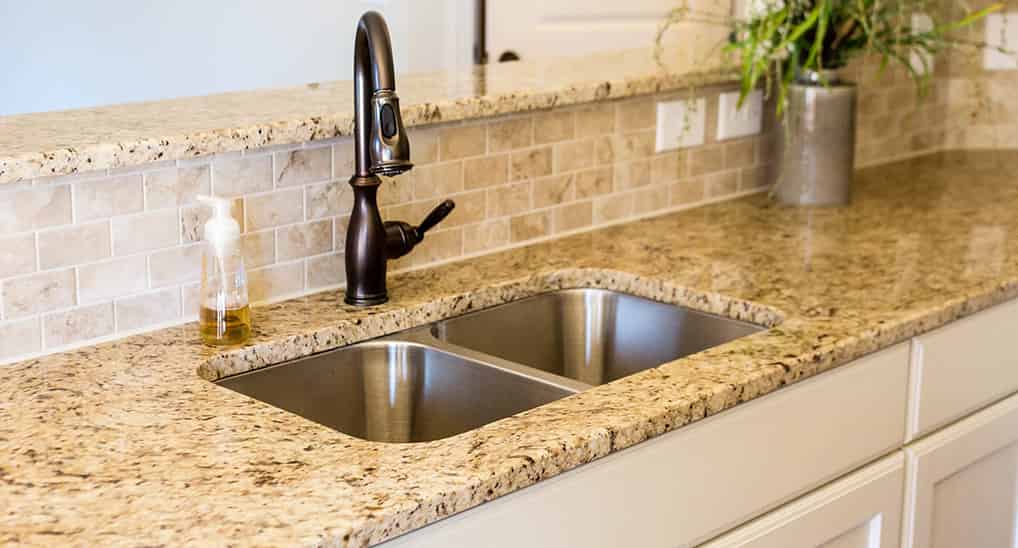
(366, 301)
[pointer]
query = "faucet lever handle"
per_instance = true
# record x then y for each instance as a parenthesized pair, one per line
(436, 216)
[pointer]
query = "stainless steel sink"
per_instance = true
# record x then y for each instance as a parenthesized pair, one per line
(591, 335)
(455, 375)
(398, 391)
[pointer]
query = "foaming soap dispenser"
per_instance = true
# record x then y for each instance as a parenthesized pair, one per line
(225, 315)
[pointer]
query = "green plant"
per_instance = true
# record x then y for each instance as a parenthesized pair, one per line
(781, 39)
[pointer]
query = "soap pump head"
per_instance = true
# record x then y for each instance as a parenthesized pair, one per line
(221, 229)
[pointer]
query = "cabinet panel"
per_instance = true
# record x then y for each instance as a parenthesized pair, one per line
(963, 483)
(687, 486)
(862, 510)
(963, 366)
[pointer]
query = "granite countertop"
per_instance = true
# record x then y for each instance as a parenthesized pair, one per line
(125, 443)
(64, 142)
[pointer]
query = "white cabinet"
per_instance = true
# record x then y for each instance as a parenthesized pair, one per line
(963, 483)
(862, 510)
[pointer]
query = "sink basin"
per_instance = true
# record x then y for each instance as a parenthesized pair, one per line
(592, 335)
(398, 390)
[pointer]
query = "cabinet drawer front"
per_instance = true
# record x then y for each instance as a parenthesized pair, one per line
(964, 366)
(862, 509)
(689, 485)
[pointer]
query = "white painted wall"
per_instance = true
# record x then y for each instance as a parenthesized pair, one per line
(61, 54)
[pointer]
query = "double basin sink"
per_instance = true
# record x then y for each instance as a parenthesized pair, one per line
(459, 374)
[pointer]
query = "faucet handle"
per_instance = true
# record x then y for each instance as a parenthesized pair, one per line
(436, 216)
(400, 237)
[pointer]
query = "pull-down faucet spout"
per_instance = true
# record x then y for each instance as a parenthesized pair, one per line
(381, 147)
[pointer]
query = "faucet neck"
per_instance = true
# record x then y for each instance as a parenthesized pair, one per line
(372, 72)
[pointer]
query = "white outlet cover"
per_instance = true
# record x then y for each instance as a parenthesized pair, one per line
(740, 122)
(921, 23)
(676, 129)
(1001, 31)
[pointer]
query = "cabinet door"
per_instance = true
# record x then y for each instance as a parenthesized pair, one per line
(861, 510)
(963, 483)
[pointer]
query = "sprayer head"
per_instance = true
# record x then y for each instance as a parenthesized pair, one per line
(221, 226)
(390, 146)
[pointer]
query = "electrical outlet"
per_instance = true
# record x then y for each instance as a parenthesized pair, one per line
(739, 122)
(921, 23)
(679, 126)
(1001, 32)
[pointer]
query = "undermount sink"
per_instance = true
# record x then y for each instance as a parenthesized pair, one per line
(591, 335)
(396, 391)
(459, 374)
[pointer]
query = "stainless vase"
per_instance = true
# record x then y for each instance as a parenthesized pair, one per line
(816, 145)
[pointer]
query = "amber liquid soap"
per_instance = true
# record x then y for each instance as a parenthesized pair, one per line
(225, 327)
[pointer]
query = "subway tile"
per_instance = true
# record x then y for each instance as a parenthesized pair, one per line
(274, 209)
(508, 199)
(175, 187)
(17, 255)
(423, 144)
(740, 154)
(439, 245)
(277, 281)
(485, 171)
(437, 180)
(686, 192)
(147, 231)
(108, 197)
(613, 207)
(326, 270)
(303, 240)
(470, 208)
(110, 279)
(190, 296)
(754, 177)
(635, 114)
(237, 175)
(650, 199)
(175, 266)
(510, 134)
(24, 209)
(573, 216)
(20, 338)
(329, 199)
(302, 166)
(633, 146)
(529, 226)
(554, 190)
(78, 325)
(530, 163)
(142, 311)
(456, 142)
(485, 236)
(722, 184)
(573, 155)
(395, 190)
(595, 120)
(343, 161)
(554, 126)
(341, 224)
(630, 175)
(604, 150)
(593, 182)
(259, 248)
(38, 293)
(706, 159)
(73, 245)
(666, 167)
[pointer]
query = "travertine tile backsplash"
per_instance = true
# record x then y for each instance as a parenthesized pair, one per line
(100, 254)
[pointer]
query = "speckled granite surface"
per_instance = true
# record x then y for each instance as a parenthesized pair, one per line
(55, 143)
(124, 443)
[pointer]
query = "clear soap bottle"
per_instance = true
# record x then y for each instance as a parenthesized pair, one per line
(225, 314)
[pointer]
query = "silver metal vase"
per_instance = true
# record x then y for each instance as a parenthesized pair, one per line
(816, 144)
